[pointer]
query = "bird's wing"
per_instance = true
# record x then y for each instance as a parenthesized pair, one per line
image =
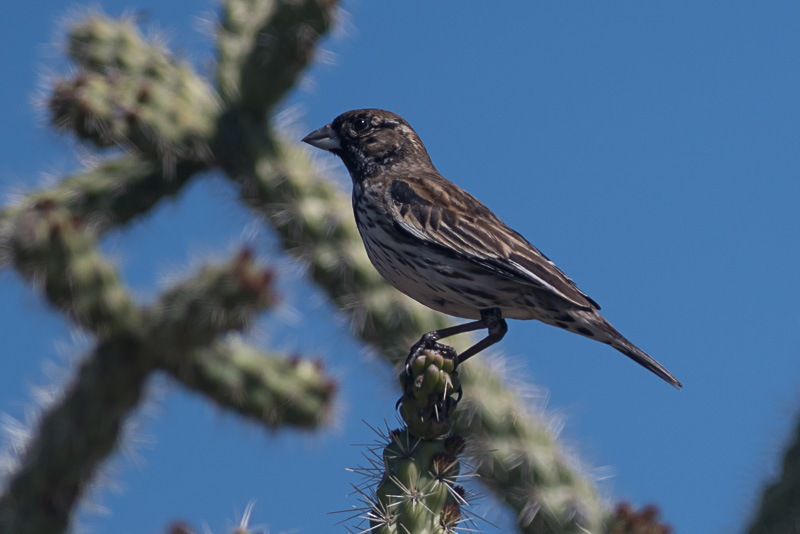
(440, 214)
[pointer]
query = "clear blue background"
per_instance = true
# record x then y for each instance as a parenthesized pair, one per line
(649, 148)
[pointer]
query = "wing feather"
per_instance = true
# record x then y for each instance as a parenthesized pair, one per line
(440, 214)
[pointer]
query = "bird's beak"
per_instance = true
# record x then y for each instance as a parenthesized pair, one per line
(324, 138)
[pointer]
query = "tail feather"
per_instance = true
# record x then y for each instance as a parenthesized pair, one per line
(645, 360)
(601, 330)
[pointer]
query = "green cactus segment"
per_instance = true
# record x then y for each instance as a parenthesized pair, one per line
(74, 438)
(117, 191)
(129, 92)
(77, 434)
(217, 298)
(779, 510)
(49, 247)
(240, 24)
(263, 47)
(109, 194)
(105, 45)
(275, 390)
(53, 249)
(417, 491)
(430, 393)
(517, 456)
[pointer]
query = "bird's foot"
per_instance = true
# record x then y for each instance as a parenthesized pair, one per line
(429, 343)
(431, 388)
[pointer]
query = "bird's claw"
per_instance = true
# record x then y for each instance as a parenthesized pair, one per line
(427, 343)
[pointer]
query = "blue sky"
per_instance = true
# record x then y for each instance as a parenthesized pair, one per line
(648, 148)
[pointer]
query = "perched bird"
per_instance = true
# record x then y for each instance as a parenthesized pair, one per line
(442, 247)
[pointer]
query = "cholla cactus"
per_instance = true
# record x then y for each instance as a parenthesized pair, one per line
(412, 486)
(431, 391)
(418, 491)
(133, 94)
(129, 92)
(172, 124)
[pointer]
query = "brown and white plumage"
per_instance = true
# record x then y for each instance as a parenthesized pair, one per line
(442, 247)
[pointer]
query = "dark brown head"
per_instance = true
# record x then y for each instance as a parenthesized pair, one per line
(370, 140)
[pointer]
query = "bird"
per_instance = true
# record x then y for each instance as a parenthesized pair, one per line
(441, 246)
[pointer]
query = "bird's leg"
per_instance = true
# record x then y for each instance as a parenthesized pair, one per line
(490, 319)
(497, 327)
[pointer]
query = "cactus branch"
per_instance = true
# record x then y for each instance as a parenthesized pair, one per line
(264, 46)
(78, 433)
(518, 458)
(109, 194)
(74, 438)
(50, 247)
(275, 390)
(132, 93)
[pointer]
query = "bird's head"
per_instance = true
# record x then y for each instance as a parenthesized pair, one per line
(370, 139)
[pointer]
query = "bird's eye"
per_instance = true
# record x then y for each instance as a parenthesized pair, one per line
(359, 125)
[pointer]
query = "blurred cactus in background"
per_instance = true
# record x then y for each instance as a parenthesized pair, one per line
(172, 124)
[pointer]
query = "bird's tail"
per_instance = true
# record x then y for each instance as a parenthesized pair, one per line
(601, 330)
